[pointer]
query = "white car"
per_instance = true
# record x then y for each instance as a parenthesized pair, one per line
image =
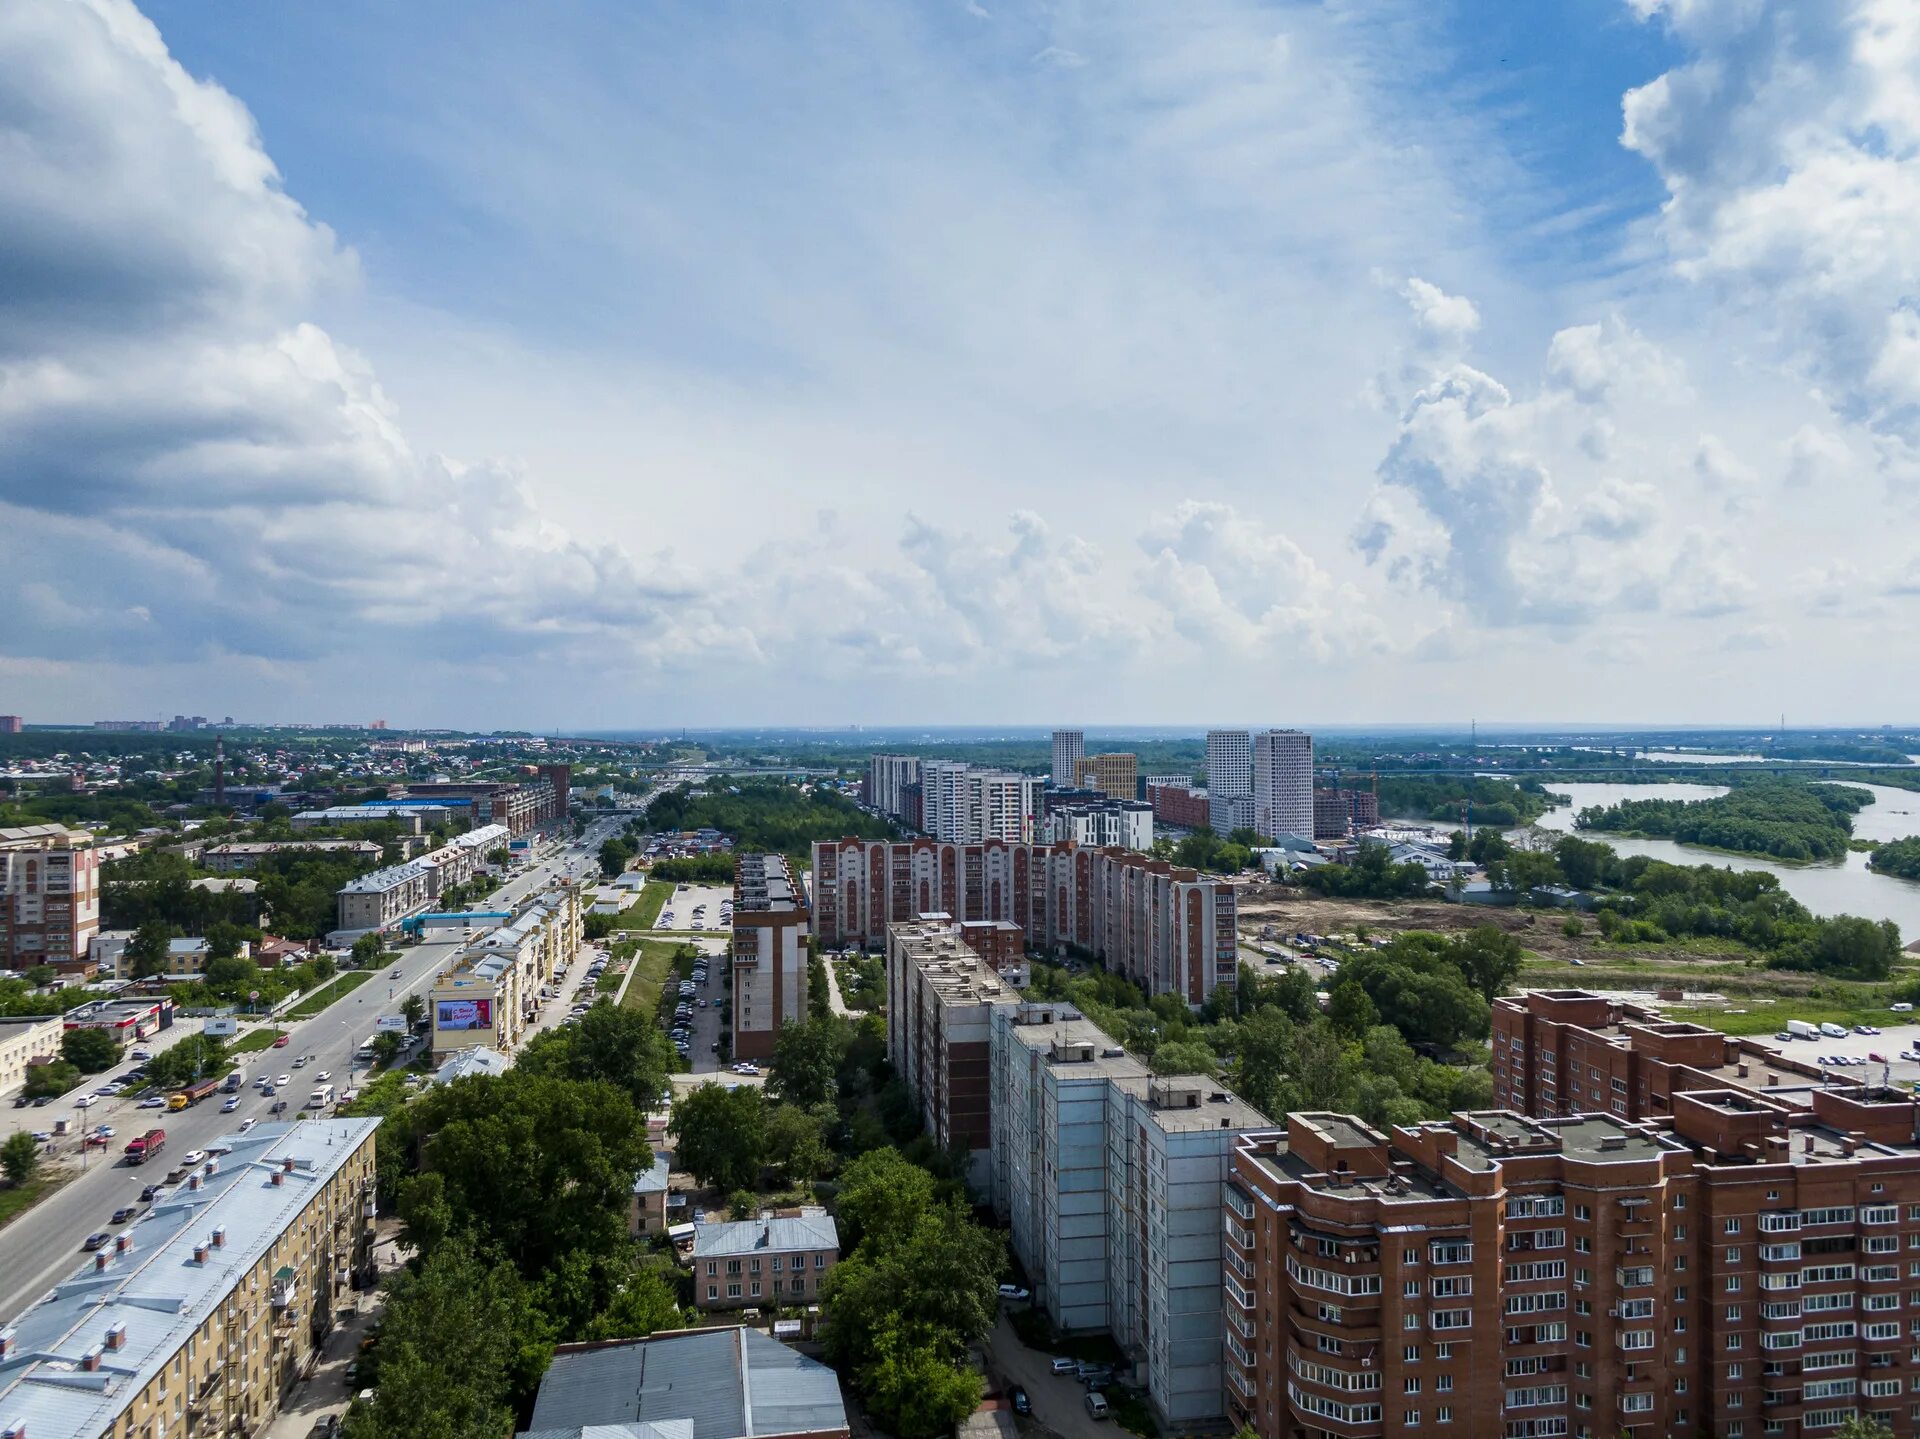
(85, 1101)
(193, 1156)
(323, 1076)
(152, 1101)
(233, 1103)
(283, 1081)
(247, 1124)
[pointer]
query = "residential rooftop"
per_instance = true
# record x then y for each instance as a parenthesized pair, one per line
(808, 1229)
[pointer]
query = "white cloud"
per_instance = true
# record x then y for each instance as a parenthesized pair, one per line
(1448, 317)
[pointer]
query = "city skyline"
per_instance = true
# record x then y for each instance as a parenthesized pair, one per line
(1386, 358)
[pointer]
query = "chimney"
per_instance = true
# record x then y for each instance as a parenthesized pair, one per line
(193, 1181)
(220, 1237)
(100, 1261)
(116, 1336)
(200, 1252)
(279, 1177)
(287, 1164)
(1743, 1069)
(90, 1361)
(123, 1244)
(6, 1343)
(1807, 1144)
(14, 1429)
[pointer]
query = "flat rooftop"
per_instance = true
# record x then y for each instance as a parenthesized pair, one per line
(155, 1290)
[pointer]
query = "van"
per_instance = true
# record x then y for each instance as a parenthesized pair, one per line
(1096, 1406)
(1833, 1031)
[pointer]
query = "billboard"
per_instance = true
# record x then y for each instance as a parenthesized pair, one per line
(464, 1014)
(221, 1024)
(390, 1024)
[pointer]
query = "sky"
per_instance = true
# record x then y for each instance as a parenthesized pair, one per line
(602, 364)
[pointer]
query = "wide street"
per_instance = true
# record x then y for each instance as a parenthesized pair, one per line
(43, 1245)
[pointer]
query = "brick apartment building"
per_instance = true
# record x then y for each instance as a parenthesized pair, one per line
(942, 995)
(49, 898)
(769, 958)
(1168, 929)
(1180, 805)
(1339, 812)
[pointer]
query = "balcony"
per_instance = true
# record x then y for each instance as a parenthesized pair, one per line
(1236, 1294)
(283, 1290)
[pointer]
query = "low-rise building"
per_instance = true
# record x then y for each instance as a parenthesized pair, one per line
(26, 1039)
(384, 897)
(716, 1383)
(647, 1212)
(467, 1063)
(127, 1020)
(1179, 804)
(491, 992)
(187, 957)
(412, 819)
(199, 1317)
(1112, 1180)
(241, 857)
(769, 958)
(777, 1259)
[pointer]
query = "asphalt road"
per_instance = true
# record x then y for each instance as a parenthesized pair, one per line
(42, 1246)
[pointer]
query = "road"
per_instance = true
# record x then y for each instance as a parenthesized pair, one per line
(42, 1246)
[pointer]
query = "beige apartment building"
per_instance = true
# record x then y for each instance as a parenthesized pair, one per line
(491, 992)
(198, 1317)
(24, 1039)
(1115, 774)
(49, 897)
(777, 1259)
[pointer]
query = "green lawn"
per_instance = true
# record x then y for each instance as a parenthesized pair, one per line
(653, 898)
(16, 1200)
(341, 987)
(656, 961)
(259, 1039)
(1770, 1017)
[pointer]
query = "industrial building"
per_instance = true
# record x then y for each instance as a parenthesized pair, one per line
(199, 1316)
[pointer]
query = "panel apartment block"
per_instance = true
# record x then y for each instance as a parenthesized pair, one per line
(1283, 783)
(1738, 1269)
(1069, 748)
(941, 998)
(769, 958)
(1111, 1181)
(1168, 929)
(49, 898)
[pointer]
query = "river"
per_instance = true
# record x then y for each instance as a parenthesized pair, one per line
(1844, 886)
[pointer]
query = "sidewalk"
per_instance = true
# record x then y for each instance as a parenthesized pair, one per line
(326, 1391)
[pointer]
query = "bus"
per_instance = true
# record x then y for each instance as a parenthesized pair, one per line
(321, 1098)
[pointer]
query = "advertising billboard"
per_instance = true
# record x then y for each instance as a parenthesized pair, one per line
(221, 1024)
(464, 1014)
(390, 1024)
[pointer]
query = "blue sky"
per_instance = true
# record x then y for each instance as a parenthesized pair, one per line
(595, 363)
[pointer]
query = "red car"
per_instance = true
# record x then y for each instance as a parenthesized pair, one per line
(281, 1042)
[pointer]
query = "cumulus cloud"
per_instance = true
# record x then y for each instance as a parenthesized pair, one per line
(1790, 148)
(1451, 317)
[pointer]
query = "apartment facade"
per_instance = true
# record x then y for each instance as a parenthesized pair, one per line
(1229, 780)
(1179, 805)
(1120, 824)
(893, 782)
(245, 857)
(769, 955)
(199, 1318)
(26, 1039)
(490, 994)
(1169, 929)
(1069, 748)
(941, 997)
(1111, 1181)
(1283, 783)
(49, 898)
(779, 1258)
(1116, 775)
(963, 804)
(1740, 1269)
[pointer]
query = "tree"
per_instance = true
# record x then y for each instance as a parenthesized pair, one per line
(796, 1142)
(89, 1050)
(386, 1047)
(645, 1305)
(616, 1046)
(230, 973)
(1859, 1427)
(1584, 862)
(198, 1056)
(1183, 1057)
(882, 1196)
(42, 975)
(911, 1386)
(460, 1345)
(1490, 958)
(367, 951)
(614, 856)
(413, 1009)
(806, 1059)
(20, 1157)
(223, 941)
(53, 1078)
(146, 953)
(530, 1165)
(722, 1134)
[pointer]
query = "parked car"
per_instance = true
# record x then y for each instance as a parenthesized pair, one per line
(153, 1101)
(247, 1124)
(97, 1241)
(1902, 1008)
(1014, 1292)
(193, 1157)
(1018, 1398)
(124, 1213)
(139, 1054)
(1096, 1406)
(151, 1193)
(85, 1101)
(1063, 1365)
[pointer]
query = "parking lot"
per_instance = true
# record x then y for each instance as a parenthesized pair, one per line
(713, 899)
(1893, 1041)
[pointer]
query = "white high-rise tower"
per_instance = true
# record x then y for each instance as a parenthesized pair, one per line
(1283, 783)
(1069, 748)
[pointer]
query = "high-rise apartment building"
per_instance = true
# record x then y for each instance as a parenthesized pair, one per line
(49, 897)
(1112, 1181)
(1283, 783)
(11, 724)
(769, 959)
(966, 805)
(1229, 780)
(941, 996)
(1115, 774)
(1738, 1269)
(1069, 748)
(1168, 929)
(891, 782)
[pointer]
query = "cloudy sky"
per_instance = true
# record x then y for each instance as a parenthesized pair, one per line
(596, 364)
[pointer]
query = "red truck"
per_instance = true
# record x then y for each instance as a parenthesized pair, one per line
(143, 1147)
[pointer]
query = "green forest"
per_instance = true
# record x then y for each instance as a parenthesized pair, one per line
(769, 815)
(1501, 802)
(1772, 818)
(1899, 857)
